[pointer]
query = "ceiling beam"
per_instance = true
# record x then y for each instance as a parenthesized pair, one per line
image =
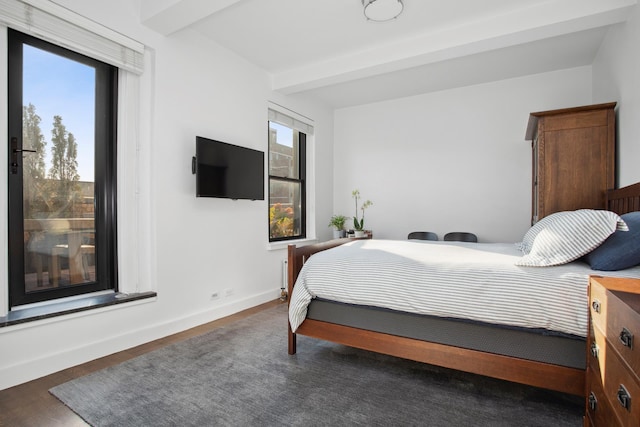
(168, 16)
(549, 19)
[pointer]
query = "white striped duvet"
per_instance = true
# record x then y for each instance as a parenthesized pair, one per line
(474, 281)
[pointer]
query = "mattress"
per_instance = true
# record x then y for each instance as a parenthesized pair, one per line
(468, 281)
(563, 350)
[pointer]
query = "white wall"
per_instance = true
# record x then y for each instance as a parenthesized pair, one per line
(449, 161)
(616, 77)
(202, 245)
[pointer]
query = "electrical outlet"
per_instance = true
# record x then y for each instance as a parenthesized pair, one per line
(215, 295)
(228, 292)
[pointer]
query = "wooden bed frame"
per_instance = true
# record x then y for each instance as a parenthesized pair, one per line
(538, 374)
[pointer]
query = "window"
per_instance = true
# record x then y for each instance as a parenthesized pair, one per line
(62, 109)
(287, 174)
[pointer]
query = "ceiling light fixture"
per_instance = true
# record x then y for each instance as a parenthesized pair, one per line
(382, 10)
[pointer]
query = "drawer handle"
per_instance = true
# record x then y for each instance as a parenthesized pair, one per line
(594, 350)
(593, 402)
(626, 338)
(624, 398)
(596, 305)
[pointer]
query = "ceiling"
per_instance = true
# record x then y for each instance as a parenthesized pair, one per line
(327, 48)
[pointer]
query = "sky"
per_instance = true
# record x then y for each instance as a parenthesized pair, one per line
(60, 86)
(285, 134)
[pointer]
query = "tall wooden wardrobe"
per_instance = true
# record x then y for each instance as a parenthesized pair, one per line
(573, 158)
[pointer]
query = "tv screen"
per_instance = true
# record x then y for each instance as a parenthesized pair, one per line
(228, 171)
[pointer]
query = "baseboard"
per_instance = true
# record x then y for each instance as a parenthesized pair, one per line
(41, 366)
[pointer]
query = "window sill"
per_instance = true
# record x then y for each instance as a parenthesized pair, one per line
(283, 245)
(55, 309)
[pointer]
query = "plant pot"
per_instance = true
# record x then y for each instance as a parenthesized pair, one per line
(359, 234)
(337, 234)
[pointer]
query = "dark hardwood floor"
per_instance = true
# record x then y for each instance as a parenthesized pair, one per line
(31, 405)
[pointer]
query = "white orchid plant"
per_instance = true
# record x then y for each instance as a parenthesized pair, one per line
(358, 224)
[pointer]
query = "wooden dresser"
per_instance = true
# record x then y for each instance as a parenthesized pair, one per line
(573, 158)
(613, 353)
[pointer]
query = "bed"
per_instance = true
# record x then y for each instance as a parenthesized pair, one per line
(550, 355)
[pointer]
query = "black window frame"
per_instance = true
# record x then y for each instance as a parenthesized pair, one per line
(105, 186)
(302, 174)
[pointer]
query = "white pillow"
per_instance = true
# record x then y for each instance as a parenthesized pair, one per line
(569, 236)
(530, 235)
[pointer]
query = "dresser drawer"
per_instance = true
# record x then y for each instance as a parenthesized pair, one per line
(619, 322)
(617, 379)
(598, 410)
(613, 358)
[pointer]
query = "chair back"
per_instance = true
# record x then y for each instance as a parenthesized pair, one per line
(422, 235)
(460, 236)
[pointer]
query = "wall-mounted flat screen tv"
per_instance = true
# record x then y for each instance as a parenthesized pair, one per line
(228, 171)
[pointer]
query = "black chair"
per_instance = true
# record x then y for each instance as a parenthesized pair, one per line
(422, 235)
(459, 236)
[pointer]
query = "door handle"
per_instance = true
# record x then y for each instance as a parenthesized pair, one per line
(14, 154)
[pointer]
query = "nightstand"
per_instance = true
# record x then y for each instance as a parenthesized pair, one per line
(613, 353)
(368, 234)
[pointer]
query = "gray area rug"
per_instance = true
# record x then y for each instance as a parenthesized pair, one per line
(241, 375)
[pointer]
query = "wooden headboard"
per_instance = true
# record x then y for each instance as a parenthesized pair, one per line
(624, 200)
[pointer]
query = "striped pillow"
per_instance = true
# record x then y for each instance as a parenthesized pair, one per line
(530, 235)
(571, 235)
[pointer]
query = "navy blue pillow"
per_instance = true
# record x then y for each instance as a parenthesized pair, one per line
(621, 250)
